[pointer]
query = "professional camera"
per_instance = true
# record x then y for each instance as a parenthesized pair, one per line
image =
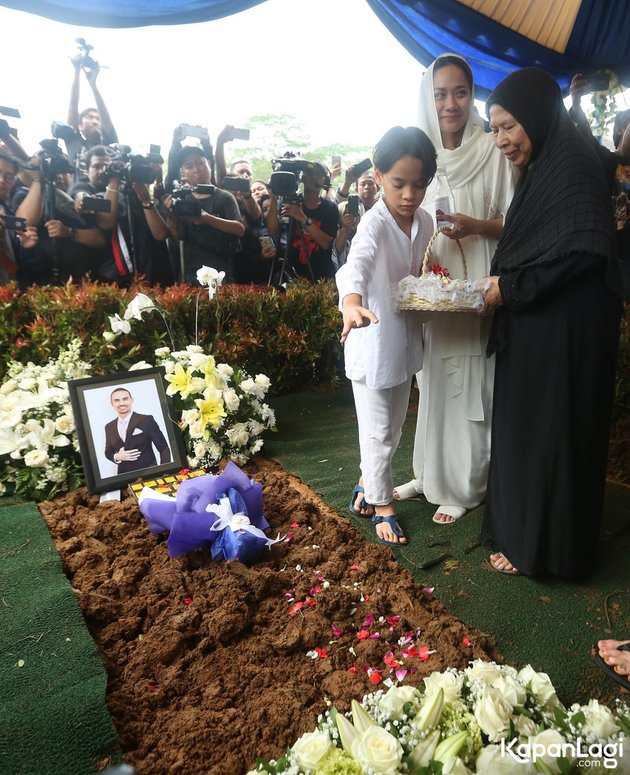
(53, 160)
(287, 173)
(185, 205)
(131, 167)
(86, 60)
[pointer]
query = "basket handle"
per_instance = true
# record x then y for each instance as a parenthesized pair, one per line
(427, 252)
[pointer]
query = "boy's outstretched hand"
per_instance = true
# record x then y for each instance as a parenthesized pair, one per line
(355, 315)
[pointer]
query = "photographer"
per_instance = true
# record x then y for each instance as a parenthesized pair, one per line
(316, 218)
(93, 124)
(180, 134)
(68, 244)
(134, 227)
(205, 220)
(348, 223)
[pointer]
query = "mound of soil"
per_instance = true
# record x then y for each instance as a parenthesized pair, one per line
(211, 664)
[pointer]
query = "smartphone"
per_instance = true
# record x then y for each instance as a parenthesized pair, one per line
(335, 159)
(13, 223)
(598, 81)
(194, 131)
(239, 134)
(235, 183)
(12, 112)
(266, 242)
(360, 167)
(352, 208)
(95, 204)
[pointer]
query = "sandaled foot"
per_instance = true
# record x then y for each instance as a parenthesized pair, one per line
(501, 564)
(407, 491)
(388, 531)
(614, 660)
(358, 505)
(446, 515)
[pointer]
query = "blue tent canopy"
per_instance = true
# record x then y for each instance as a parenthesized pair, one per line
(597, 31)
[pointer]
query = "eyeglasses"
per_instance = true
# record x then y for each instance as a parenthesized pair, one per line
(8, 176)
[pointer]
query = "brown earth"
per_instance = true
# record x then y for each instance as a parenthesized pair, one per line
(207, 661)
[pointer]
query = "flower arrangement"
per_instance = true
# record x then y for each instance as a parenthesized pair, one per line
(489, 719)
(38, 443)
(220, 409)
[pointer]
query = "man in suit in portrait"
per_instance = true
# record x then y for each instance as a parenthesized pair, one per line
(129, 439)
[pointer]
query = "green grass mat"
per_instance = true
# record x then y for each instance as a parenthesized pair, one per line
(546, 622)
(53, 717)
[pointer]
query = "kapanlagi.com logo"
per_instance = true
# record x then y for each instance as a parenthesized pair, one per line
(592, 755)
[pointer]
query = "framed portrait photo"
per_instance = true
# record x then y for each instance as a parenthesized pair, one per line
(126, 427)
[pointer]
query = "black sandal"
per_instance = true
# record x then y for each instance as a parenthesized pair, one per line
(622, 680)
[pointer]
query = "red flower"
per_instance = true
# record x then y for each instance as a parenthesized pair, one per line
(363, 634)
(321, 653)
(375, 677)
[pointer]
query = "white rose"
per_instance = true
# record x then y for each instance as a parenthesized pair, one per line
(118, 325)
(64, 423)
(140, 365)
(28, 383)
(199, 450)
(60, 441)
(192, 462)
(231, 400)
(15, 454)
(450, 681)
(310, 749)
(109, 336)
(541, 686)
(224, 370)
(198, 360)
(194, 348)
(552, 741)
(35, 458)
(600, 722)
(513, 691)
(214, 450)
(377, 749)
(487, 672)
(263, 380)
(396, 698)
(493, 714)
(8, 387)
(524, 726)
(248, 385)
(168, 366)
(491, 762)
(161, 352)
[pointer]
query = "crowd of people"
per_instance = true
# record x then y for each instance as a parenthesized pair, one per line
(85, 206)
(514, 404)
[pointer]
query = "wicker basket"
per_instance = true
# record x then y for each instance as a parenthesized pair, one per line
(465, 294)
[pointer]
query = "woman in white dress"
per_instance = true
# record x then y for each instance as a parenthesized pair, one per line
(452, 444)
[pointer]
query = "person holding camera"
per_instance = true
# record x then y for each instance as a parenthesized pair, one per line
(350, 213)
(204, 219)
(316, 219)
(94, 124)
(69, 244)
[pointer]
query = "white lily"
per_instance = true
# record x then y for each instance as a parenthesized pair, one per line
(425, 750)
(429, 713)
(362, 719)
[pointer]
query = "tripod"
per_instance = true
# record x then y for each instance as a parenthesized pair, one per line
(280, 268)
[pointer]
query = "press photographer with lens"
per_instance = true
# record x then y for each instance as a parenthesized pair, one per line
(312, 224)
(204, 220)
(117, 192)
(14, 233)
(69, 244)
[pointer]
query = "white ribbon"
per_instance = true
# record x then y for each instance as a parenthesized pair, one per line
(239, 521)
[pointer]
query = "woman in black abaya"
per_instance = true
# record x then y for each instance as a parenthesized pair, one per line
(555, 335)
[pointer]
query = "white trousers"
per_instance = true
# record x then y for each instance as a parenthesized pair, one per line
(380, 417)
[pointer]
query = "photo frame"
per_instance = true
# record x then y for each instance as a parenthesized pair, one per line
(126, 428)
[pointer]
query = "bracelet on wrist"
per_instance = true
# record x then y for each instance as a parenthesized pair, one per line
(113, 190)
(148, 205)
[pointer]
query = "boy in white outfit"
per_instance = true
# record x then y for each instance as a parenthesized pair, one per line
(383, 347)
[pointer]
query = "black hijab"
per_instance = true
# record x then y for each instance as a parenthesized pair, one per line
(562, 203)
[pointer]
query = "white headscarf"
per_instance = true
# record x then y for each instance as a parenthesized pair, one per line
(482, 182)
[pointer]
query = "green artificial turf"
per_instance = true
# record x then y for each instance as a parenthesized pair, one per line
(53, 716)
(546, 622)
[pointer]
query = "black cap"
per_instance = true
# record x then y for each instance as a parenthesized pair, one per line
(189, 150)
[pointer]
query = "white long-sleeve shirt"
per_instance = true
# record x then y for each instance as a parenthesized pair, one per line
(388, 352)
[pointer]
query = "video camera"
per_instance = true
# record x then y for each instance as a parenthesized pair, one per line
(131, 167)
(52, 160)
(186, 206)
(86, 60)
(287, 173)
